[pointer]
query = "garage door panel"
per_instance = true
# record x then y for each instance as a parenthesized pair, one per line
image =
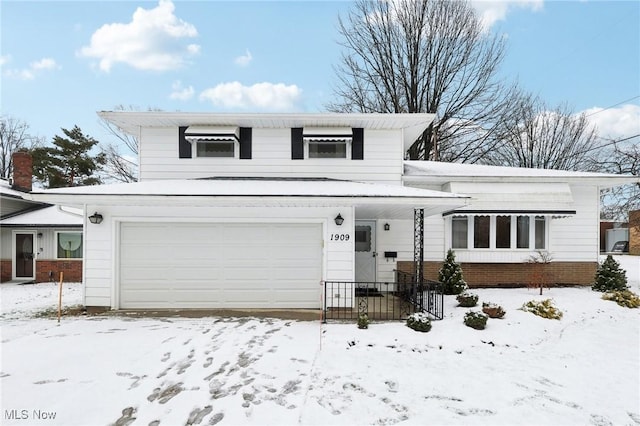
(219, 265)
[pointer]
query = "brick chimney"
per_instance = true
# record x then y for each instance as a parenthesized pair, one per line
(22, 171)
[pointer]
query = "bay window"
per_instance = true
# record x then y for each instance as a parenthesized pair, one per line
(499, 231)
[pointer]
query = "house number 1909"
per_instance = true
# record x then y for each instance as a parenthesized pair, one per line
(339, 237)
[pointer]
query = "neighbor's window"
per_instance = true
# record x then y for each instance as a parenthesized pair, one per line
(540, 232)
(459, 229)
(481, 228)
(503, 232)
(69, 245)
(327, 149)
(216, 149)
(522, 232)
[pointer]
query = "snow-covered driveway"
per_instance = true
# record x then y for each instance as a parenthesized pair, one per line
(584, 369)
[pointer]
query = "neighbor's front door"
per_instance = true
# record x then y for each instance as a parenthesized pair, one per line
(24, 257)
(365, 250)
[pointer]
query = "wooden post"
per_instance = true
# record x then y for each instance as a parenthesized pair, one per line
(60, 297)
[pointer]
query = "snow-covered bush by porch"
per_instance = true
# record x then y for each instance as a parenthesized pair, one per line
(609, 276)
(493, 310)
(419, 321)
(475, 319)
(467, 299)
(450, 275)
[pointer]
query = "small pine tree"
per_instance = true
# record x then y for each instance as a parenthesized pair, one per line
(450, 275)
(609, 276)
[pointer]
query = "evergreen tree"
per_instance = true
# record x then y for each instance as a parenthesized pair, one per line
(68, 162)
(450, 275)
(609, 276)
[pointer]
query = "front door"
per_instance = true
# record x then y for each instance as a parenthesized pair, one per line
(365, 250)
(24, 258)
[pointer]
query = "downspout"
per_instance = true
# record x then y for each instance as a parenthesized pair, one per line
(84, 255)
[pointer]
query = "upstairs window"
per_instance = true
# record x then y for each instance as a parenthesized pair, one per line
(209, 141)
(327, 148)
(216, 149)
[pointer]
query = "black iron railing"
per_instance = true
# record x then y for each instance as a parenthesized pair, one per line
(346, 300)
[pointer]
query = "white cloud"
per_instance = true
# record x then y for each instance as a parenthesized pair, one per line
(615, 123)
(491, 11)
(244, 60)
(4, 59)
(181, 93)
(153, 40)
(262, 96)
(30, 73)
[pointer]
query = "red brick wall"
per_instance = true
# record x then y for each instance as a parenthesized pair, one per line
(5, 270)
(634, 233)
(72, 270)
(515, 274)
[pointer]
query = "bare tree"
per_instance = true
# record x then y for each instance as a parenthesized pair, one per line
(14, 137)
(623, 157)
(424, 56)
(537, 136)
(120, 165)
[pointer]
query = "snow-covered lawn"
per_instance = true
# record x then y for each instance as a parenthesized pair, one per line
(522, 369)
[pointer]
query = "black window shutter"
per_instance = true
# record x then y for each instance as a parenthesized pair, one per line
(357, 144)
(184, 147)
(245, 143)
(297, 146)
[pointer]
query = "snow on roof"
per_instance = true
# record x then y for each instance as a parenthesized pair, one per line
(250, 187)
(51, 216)
(6, 190)
(412, 125)
(257, 192)
(440, 172)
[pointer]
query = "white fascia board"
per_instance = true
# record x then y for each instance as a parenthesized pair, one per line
(254, 201)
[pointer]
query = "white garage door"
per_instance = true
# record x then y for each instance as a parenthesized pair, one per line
(238, 265)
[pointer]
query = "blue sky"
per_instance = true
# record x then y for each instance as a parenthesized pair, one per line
(63, 61)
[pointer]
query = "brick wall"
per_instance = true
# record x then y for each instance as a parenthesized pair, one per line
(634, 233)
(515, 274)
(5, 270)
(72, 270)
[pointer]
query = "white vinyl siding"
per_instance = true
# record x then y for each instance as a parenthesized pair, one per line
(271, 157)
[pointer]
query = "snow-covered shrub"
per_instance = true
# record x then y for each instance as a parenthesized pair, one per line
(476, 319)
(609, 276)
(363, 321)
(419, 321)
(493, 310)
(544, 309)
(450, 275)
(467, 299)
(625, 298)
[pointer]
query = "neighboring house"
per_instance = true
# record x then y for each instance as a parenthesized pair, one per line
(37, 240)
(258, 210)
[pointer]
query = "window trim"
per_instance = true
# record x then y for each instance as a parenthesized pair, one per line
(57, 243)
(307, 141)
(493, 231)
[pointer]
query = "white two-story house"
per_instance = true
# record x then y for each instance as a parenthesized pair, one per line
(258, 210)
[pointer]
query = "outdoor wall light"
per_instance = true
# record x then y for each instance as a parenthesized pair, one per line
(387, 227)
(95, 218)
(339, 219)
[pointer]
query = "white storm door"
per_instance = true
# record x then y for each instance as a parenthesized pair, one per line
(365, 246)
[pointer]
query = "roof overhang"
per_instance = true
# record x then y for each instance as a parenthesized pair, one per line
(45, 216)
(440, 173)
(393, 200)
(412, 125)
